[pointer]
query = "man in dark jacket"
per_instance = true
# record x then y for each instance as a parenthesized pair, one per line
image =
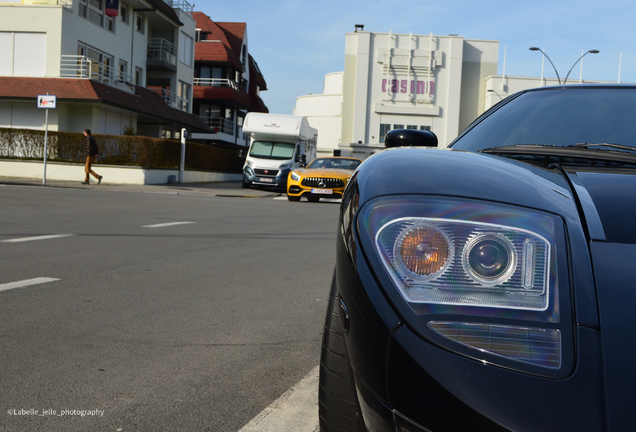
(91, 153)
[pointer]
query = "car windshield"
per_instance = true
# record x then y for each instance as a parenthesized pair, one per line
(272, 150)
(558, 117)
(334, 163)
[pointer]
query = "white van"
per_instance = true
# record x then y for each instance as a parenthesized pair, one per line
(278, 144)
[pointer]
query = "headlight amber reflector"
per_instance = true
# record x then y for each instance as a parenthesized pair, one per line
(422, 251)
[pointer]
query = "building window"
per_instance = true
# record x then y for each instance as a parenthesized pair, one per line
(184, 96)
(398, 126)
(425, 128)
(412, 127)
(100, 64)
(138, 75)
(141, 24)
(384, 129)
(123, 70)
(22, 54)
(94, 11)
(197, 35)
(185, 49)
(123, 13)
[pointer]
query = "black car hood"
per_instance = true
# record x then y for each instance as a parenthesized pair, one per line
(611, 203)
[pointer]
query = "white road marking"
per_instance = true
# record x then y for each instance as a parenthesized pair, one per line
(44, 237)
(295, 411)
(166, 224)
(25, 283)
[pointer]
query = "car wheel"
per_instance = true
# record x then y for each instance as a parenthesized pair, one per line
(246, 185)
(293, 198)
(338, 404)
(313, 198)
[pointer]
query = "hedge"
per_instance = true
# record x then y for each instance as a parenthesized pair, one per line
(129, 150)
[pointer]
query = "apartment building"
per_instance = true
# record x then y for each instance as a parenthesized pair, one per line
(113, 65)
(227, 80)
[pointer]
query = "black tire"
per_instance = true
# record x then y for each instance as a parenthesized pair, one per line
(293, 198)
(338, 404)
(246, 185)
(312, 198)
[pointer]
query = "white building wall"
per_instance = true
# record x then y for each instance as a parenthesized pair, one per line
(44, 19)
(185, 72)
(324, 112)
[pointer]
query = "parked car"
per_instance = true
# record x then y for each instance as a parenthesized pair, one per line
(325, 177)
(491, 286)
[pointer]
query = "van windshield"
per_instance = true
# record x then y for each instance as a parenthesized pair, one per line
(272, 150)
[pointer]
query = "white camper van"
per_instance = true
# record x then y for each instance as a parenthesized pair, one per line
(278, 144)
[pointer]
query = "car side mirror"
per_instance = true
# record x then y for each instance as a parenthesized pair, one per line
(303, 160)
(410, 138)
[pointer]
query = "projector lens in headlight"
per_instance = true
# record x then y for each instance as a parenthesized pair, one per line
(489, 258)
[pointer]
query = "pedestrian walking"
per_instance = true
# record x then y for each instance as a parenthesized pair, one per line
(92, 151)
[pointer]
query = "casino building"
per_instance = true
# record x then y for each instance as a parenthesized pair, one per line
(392, 81)
(406, 81)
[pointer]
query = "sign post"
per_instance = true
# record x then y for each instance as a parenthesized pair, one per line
(184, 136)
(46, 102)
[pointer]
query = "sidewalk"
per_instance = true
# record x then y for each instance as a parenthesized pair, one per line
(219, 189)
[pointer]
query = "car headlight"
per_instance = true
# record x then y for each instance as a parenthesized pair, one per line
(250, 163)
(481, 275)
(285, 166)
(466, 263)
(294, 176)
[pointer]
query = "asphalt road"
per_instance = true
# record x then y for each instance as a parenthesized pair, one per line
(169, 312)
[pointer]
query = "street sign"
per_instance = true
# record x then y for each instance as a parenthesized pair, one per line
(47, 101)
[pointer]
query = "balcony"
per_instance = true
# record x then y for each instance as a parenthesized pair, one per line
(218, 89)
(80, 67)
(180, 4)
(162, 55)
(216, 82)
(219, 124)
(171, 98)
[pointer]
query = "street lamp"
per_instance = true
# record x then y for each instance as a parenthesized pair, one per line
(555, 69)
(493, 91)
(589, 52)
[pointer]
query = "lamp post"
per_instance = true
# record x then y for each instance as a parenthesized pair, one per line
(493, 91)
(554, 67)
(589, 52)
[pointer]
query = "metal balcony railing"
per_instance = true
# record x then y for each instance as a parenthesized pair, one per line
(220, 124)
(80, 67)
(180, 4)
(171, 98)
(160, 49)
(216, 82)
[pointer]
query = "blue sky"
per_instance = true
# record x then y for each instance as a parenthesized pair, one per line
(296, 43)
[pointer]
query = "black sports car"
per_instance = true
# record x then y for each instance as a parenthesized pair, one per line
(491, 286)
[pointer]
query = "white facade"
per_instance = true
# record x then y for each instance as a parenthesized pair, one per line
(393, 81)
(75, 39)
(324, 112)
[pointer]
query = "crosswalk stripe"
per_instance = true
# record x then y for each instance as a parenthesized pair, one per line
(26, 282)
(166, 224)
(43, 237)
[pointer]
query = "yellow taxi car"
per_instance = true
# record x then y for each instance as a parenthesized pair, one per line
(325, 177)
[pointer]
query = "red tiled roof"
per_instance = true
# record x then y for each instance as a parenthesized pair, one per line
(223, 42)
(144, 101)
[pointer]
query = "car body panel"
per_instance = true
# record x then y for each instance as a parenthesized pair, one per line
(407, 377)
